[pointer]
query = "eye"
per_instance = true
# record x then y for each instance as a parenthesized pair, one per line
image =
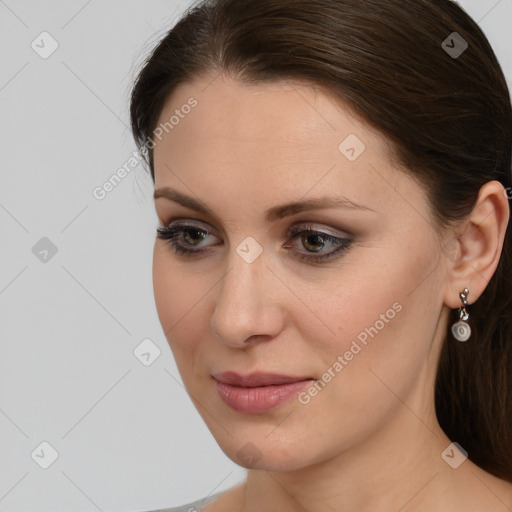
(314, 241)
(187, 239)
(183, 238)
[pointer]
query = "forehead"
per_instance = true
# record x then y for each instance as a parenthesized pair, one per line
(283, 111)
(285, 136)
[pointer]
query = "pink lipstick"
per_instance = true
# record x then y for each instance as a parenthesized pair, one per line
(257, 392)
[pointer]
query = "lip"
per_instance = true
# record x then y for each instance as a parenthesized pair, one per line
(258, 392)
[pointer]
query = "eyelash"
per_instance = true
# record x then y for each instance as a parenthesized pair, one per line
(170, 234)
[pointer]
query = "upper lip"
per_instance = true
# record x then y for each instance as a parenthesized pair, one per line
(256, 379)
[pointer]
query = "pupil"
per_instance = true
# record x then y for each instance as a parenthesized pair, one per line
(195, 235)
(317, 241)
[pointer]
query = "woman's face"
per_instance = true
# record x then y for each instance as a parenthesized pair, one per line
(255, 296)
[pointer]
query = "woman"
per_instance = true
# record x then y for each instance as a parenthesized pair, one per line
(332, 268)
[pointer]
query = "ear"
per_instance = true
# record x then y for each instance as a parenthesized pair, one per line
(479, 243)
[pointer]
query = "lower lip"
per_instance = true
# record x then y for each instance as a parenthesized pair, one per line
(259, 399)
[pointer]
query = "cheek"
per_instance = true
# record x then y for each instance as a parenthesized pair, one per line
(164, 284)
(389, 355)
(178, 300)
(352, 305)
(377, 316)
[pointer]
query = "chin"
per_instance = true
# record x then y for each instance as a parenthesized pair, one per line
(267, 460)
(255, 449)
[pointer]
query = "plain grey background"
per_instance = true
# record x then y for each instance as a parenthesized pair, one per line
(86, 422)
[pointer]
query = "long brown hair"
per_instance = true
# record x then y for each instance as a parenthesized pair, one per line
(445, 109)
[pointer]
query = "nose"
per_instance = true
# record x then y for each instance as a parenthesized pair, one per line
(248, 303)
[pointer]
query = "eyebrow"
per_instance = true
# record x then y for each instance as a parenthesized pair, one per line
(272, 214)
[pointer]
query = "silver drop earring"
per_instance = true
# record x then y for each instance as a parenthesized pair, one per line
(461, 330)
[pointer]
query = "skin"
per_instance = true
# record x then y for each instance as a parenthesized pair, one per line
(370, 439)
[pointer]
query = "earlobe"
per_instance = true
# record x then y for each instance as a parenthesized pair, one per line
(480, 244)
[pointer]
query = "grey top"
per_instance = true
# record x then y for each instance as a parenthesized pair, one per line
(197, 506)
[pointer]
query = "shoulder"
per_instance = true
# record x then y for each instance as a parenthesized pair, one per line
(196, 506)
